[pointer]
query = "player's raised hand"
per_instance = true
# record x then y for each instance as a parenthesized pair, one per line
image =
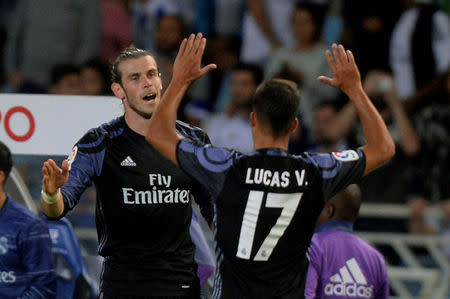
(346, 75)
(53, 176)
(187, 65)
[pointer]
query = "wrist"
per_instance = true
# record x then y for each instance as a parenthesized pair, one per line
(354, 91)
(50, 198)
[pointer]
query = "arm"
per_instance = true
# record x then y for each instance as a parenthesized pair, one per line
(408, 138)
(257, 9)
(36, 249)
(54, 178)
(186, 69)
(344, 121)
(380, 147)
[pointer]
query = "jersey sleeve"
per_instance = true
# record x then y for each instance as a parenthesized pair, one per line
(339, 169)
(200, 194)
(314, 271)
(36, 249)
(85, 164)
(205, 163)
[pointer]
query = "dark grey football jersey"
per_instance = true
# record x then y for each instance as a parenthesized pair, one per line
(143, 210)
(266, 204)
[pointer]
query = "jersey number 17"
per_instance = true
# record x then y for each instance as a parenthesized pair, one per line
(286, 201)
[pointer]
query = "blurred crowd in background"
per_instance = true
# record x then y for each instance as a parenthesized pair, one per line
(402, 48)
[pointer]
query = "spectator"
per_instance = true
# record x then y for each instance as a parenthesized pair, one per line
(65, 80)
(433, 127)
(46, 33)
(145, 15)
(381, 89)
(95, 78)
(232, 128)
(116, 29)
(26, 260)
(325, 139)
(367, 31)
(169, 34)
(265, 28)
(341, 264)
(306, 61)
(420, 47)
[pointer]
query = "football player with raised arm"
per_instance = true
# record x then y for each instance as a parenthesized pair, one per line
(267, 202)
(143, 209)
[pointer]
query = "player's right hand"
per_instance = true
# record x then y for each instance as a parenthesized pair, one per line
(54, 177)
(187, 66)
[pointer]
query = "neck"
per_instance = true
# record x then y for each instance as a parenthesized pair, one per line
(2, 198)
(261, 140)
(137, 123)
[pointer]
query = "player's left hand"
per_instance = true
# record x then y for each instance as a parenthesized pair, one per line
(346, 75)
(187, 66)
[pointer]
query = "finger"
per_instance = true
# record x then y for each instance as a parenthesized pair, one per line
(331, 61)
(325, 80)
(343, 53)
(47, 168)
(197, 42)
(350, 56)
(65, 168)
(207, 69)
(182, 47)
(201, 48)
(190, 42)
(53, 166)
(337, 57)
(44, 170)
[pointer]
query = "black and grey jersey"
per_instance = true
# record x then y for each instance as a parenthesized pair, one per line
(266, 204)
(143, 209)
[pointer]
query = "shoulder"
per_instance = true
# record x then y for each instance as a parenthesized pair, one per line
(328, 160)
(192, 132)
(96, 138)
(24, 218)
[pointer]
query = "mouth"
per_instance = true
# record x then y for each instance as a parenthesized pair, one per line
(150, 97)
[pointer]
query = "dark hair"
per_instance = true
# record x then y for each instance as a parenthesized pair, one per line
(318, 12)
(59, 71)
(128, 53)
(346, 203)
(5, 159)
(252, 68)
(101, 68)
(276, 103)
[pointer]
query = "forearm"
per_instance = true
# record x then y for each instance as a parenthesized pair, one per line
(379, 147)
(409, 140)
(258, 11)
(344, 121)
(162, 134)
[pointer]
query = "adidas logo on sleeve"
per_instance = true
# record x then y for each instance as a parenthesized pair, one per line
(349, 282)
(128, 162)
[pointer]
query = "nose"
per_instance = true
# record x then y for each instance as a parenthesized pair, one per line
(147, 81)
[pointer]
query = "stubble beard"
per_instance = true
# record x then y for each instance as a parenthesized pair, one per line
(136, 110)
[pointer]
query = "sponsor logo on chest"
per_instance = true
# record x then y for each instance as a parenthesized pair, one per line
(159, 192)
